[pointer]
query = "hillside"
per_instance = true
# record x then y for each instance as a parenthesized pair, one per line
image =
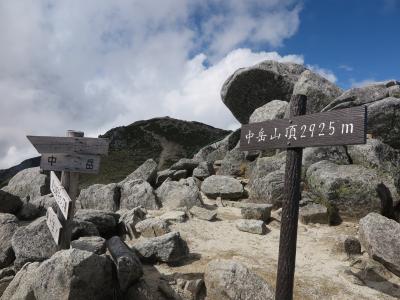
(165, 139)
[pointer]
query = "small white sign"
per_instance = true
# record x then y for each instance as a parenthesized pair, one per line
(54, 224)
(60, 194)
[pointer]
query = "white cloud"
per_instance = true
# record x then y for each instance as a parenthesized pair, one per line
(327, 74)
(92, 65)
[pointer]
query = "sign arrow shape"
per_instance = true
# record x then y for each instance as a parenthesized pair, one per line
(60, 195)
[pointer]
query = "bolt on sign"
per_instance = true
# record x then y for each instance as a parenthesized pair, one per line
(339, 127)
(72, 155)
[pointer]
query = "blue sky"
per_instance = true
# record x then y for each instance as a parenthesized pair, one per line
(358, 40)
(96, 64)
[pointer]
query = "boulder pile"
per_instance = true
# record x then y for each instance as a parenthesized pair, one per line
(123, 229)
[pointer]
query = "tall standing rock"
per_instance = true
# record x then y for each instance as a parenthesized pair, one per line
(136, 193)
(183, 193)
(249, 88)
(146, 171)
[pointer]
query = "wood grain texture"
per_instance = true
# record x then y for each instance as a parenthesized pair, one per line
(290, 212)
(70, 162)
(80, 145)
(60, 195)
(70, 181)
(339, 127)
(54, 225)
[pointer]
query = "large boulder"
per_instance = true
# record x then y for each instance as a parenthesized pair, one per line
(203, 170)
(9, 203)
(169, 248)
(380, 236)
(182, 193)
(218, 150)
(33, 243)
(233, 164)
(319, 91)
(349, 188)
(146, 171)
(8, 226)
(272, 110)
(43, 202)
(268, 189)
(28, 184)
(384, 120)
(335, 154)
(361, 95)
(136, 193)
(93, 244)
(82, 228)
(222, 186)
(249, 88)
(231, 280)
(69, 274)
(377, 155)
(105, 221)
(100, 196)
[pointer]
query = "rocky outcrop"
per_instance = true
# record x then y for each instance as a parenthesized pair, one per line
(128, 220)
(272, 110)
(335, 154)
(146, 171)
(136, 193)
(268, 189)
(69, 274)
(229, 280)
(28, 184)
(222, 186)
(8, 226)
(185, 164)
(168, 248)
(350, 188)
(319, 91)
(183, 193)
(33, 243)
(100, 196)
(362, 95)
(105, 221)
(380, 236)
(249, 88)
(218, 150)
(233, 164)
(203, 170)
(384, 120)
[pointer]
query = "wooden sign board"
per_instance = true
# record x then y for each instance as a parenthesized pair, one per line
(70, 162)
(339, 127)
(54, 224)
(60, 195)
(70, 145)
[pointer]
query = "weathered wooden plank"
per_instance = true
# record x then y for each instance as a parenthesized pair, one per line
(60, 195)
(339, 127)
(81, 145)
(54, 224)
(70, 162)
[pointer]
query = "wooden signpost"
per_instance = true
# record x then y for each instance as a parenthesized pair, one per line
(72, 155)
(340, 127)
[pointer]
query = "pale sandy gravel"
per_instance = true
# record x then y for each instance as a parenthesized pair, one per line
(319, 271)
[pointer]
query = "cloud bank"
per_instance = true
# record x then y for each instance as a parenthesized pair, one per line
(96, 64)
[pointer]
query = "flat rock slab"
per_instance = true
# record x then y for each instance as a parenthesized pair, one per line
(380, 236)
(228, 280)
(257, 211)
(222, 186)
(169, 248)
(251, 226)
(152, 227)
(93, 244)
(203, 214)
(313, 213)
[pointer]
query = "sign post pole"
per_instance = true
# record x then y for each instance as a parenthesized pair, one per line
(290, 211)
(70, 181)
